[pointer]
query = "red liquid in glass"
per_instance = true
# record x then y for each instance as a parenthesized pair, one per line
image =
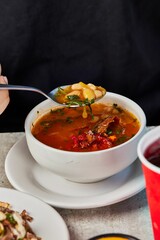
(152, 153)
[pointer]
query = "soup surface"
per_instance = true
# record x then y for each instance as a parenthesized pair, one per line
(65, 128)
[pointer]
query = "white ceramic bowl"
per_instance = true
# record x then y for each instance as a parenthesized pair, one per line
(86, 166)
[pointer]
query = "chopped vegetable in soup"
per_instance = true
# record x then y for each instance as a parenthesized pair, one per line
(66, 129)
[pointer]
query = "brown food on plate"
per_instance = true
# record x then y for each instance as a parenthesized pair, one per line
(15, 225)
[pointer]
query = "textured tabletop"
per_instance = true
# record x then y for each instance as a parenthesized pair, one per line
(130, 216)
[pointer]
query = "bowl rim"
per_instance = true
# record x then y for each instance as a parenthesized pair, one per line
(28, 123)
(122, 235)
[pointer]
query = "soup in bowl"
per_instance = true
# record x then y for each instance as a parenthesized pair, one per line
(86, 147)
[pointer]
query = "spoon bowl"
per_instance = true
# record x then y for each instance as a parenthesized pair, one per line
(70, 103)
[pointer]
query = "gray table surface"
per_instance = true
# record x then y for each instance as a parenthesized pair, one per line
(130, 216)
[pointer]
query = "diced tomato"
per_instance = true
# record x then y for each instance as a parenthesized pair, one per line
(98, 142)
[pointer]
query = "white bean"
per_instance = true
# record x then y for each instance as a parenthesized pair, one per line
(78, 93)
(92, 86)
(76, 86)
(98, 93)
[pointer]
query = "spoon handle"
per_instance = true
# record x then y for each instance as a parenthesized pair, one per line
(23, 88)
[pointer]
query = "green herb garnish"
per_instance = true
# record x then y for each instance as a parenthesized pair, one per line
(10, 218)
(75, 100)
(61, 91)
(69, 120)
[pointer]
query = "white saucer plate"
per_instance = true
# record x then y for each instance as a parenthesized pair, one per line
(26, 175)
(53, 228)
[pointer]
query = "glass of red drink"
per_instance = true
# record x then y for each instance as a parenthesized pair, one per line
(149, 155)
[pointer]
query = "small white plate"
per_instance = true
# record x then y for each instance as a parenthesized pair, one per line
(26, 175)
(47, 223)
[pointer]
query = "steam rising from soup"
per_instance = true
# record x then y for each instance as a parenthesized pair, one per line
(65, 128)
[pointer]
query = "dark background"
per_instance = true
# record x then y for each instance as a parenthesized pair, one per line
(112, 43)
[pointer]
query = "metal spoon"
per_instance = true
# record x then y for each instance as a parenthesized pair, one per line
(50, 95)
(28, 88)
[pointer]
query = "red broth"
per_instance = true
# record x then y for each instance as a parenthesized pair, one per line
(66, 129)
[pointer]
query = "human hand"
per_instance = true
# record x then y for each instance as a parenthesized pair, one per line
(4, 94)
